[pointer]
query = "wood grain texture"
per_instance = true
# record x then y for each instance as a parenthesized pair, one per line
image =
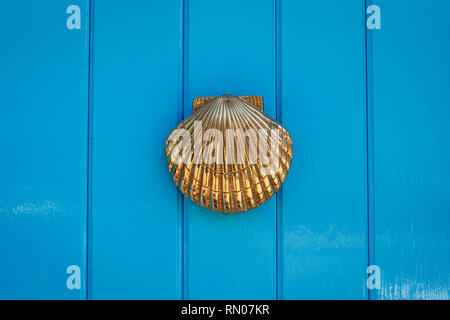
(43, 146)
(323, 209)
(411, 113)
(135, 227)
(229, 49)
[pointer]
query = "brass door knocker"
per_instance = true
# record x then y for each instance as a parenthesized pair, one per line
(228, 156)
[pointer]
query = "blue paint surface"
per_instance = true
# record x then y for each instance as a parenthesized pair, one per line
(135, 218)
(230, 256)
(411, 150)
(324, 212)
(84, 115)
(43, 145)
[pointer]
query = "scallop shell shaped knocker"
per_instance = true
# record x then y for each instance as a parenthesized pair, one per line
(228, 156)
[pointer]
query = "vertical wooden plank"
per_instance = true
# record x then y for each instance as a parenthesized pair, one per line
(230, 49)
(135, 250)
(324, 210)
(411, 108)
(43, 143)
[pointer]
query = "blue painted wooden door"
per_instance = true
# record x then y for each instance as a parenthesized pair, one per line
(88, 209)
(43, 145)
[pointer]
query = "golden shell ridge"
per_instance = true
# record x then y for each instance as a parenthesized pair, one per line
(227, 187)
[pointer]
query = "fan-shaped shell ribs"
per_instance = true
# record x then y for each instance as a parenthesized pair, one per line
(229, 156)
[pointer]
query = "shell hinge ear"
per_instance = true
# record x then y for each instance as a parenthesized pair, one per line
(256, 101)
